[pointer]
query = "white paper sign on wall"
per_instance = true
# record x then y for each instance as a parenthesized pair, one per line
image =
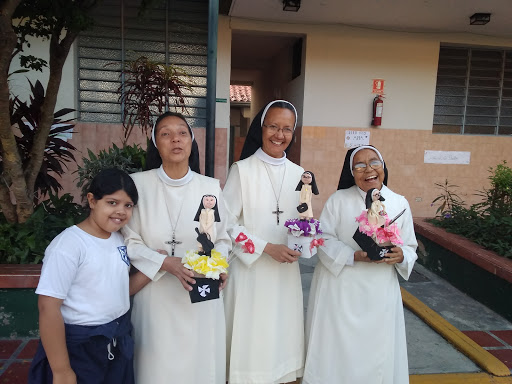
(446, 157)
(356, 138)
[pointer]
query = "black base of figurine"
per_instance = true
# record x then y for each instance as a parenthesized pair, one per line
(204, 289)
(374, 251)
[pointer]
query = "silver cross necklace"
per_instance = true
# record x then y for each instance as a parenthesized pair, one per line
(277, 196)
(173, 242)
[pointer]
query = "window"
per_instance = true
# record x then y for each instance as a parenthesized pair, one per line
(474, 91)
(172, 31)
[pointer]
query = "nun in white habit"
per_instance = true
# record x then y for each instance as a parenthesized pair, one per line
(263, 300)
(175, 341)
(355, 330)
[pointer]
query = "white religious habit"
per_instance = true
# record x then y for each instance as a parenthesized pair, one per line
(263, 300)
(175, 340)
(355, 329)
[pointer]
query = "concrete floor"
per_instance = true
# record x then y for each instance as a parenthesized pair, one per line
(428, 352)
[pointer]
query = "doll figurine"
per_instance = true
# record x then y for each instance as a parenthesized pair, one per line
(207, 215)
(376, 210)
(307, 187)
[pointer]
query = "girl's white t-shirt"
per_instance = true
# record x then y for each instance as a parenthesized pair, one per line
(90, 274)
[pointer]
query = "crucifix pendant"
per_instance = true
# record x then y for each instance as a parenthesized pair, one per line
(173, 243)
(277, 212)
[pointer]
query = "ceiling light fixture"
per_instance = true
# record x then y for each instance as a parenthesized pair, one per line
(291, 5)
(479, 18)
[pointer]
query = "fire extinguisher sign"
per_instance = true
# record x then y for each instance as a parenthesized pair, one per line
(356, 138)
(378, 86)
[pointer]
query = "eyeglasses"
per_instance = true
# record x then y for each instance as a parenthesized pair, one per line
(274, 129)
(361, 167)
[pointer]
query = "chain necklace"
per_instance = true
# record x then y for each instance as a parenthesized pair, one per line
(173, 242)
(277, 196)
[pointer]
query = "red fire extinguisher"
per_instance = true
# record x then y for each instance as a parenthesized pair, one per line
(378, 103)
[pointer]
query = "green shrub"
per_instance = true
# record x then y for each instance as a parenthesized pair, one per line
(488, 223)
(25, 243)
(128, 158)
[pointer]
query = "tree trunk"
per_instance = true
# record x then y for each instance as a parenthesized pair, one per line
(12, 178)
(58, 54)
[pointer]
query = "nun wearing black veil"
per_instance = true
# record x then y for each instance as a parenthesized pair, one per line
(355, 331)
(175, 341)
(263, 300)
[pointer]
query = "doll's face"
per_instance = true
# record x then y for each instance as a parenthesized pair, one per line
(375, 195)
(209, 202)
(306, 178)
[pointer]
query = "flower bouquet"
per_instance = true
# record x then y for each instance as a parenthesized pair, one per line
(302, 236)
(377, 235)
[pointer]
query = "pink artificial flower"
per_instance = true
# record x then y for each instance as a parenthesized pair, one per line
(316, 243)
(389, 234)
(248, 246)
(241, 237)
(362, 218)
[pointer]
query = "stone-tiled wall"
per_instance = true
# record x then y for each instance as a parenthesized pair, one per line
(323, 153)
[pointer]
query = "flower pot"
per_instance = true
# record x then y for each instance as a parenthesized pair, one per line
(302, 244)
(204, 289)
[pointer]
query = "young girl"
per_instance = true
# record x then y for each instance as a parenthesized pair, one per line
(83, 293)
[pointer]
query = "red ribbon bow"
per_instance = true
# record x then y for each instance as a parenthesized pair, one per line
(316, 243)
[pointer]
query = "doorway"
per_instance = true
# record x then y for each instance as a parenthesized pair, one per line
(264, 66)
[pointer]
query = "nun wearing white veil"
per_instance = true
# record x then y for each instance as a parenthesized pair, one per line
(263, 301)
(355, 328)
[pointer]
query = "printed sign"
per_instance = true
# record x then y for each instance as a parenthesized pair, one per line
(356, 138)
(378, 86)
(446, 157)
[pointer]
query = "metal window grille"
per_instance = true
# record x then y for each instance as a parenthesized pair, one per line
(474, 91)
(172, 31)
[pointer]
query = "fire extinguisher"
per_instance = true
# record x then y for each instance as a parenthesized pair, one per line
(378, 103)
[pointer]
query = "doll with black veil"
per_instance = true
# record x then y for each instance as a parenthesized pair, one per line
(307, 187)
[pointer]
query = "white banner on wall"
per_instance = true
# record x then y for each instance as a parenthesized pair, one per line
(356, 138)
(446, 157)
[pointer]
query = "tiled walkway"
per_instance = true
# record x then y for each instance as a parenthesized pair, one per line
(15, 358)
(498, 343)
(479, 323)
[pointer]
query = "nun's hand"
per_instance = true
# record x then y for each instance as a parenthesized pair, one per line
(223, 281)
(174, 266)
(361, 256)
(396, 256)
(281, 253)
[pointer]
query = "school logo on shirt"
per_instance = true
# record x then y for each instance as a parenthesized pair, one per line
(124, 254)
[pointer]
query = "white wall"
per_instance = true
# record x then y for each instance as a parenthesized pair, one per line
(19, 86)
(340, 68)
(340, 63)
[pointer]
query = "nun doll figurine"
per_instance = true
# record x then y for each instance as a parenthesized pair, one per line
(207, 215)
(376, 210)
(307, 187)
